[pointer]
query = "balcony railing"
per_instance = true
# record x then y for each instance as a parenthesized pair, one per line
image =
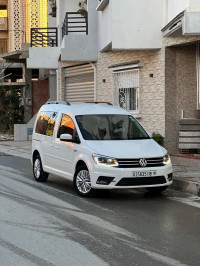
(44, 37)
(75, 23)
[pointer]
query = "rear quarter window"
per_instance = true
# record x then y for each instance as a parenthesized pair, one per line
(46, 123)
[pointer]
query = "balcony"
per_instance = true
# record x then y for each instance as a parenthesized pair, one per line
(80, 34)
(44, 37)
(44, 50)
(75, 23)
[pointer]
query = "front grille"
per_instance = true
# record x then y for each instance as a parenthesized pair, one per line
(134, 163)
(141, 181)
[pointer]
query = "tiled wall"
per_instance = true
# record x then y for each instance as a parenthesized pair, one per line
(152, 93)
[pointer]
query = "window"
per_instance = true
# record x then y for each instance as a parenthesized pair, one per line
(3, 18)
(46, 123)
(110, 127)
(3, 46)
(126, 85)
(66, 126)
(3, 11)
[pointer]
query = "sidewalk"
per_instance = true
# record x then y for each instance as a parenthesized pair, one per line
(186, 179)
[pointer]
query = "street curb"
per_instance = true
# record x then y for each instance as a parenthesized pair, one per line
(186, 186)
(16, 152)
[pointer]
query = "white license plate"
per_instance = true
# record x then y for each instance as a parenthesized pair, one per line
(144, 173)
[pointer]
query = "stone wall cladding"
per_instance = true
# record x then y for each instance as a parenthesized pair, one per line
(152, 92)
(181, 40)
(180, 85)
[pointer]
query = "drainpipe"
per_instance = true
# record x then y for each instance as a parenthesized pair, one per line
(95, 80)
(56, 84)
(198, 74)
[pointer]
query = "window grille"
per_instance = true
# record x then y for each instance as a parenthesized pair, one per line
(126, 89)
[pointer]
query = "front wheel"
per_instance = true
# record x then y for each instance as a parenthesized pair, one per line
(39, 174)
(156, 190)
(82, 182)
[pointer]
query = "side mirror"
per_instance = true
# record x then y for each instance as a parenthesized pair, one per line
(65, 137)
(68, 138)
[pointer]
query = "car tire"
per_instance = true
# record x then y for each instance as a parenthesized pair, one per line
(82, 182)
(156, 190)
(39, 174)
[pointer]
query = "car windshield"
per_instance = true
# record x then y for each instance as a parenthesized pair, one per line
(110, 127)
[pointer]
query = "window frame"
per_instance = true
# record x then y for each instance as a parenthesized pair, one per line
(117, 87)
(75, 132)
(42, 114)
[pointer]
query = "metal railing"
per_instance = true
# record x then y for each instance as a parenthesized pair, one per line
(44, 37)
(75, 23)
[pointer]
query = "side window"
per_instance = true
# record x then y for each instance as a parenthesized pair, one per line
(66, 126)
(46, 123)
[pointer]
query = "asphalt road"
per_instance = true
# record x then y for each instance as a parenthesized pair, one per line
(48, 224)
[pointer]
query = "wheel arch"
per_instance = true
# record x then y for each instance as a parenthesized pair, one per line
(80, 163)
(36, 152)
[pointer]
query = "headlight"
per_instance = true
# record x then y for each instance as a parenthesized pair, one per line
(166, 159)
(105, 160)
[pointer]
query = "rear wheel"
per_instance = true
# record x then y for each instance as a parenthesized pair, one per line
(156, 190)
(38, 172)
(82, 182)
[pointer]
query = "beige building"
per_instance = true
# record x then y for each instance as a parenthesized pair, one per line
(3, 26)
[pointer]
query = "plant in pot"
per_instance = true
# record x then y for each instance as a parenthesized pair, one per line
(158, 138)
(53, 8)
(82, 8)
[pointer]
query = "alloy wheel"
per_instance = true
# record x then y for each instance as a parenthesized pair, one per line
(37, 168)
(83, 182)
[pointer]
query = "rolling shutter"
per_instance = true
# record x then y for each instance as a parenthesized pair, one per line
(79, 83)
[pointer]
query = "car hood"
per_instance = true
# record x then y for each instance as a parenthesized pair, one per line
(145, 148)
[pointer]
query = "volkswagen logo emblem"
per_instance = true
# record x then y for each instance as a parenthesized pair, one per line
(143, 162)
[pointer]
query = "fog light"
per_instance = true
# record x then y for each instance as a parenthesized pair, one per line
(170, 177)
(104, 180)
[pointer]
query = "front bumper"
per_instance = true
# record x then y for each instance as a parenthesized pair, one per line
(122, 178)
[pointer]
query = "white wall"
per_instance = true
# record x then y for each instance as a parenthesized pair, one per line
(51, 20)
(64, 6)
(105, 28)
(194, 5)
(43, 57)
(137, 24)
(175, 7)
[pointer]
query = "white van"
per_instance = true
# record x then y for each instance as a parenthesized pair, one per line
(97, 146)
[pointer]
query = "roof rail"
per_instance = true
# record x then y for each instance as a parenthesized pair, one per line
(58, 102)
(100, 102)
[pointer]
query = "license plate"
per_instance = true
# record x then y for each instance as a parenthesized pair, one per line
(144, 173)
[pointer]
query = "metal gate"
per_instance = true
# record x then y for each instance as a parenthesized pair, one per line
(79, 83)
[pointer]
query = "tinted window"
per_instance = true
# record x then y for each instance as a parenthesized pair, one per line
(46, 123)
(66, 126)
(110, 127)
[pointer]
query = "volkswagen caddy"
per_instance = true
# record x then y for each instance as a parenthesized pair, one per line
(97, 146)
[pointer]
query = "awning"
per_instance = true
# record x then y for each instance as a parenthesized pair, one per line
(184, 24)
(13, 85)
(16, 56)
